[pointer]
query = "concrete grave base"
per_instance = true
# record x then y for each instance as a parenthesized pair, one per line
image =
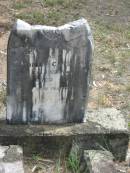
(104, 132)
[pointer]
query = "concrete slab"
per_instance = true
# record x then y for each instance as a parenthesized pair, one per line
(103, 131)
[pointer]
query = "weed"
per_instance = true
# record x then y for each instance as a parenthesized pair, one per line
(73, 161)
(35, 157)
(103, 100)
(58, 166)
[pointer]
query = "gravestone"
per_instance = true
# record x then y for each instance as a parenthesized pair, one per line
(48, 72)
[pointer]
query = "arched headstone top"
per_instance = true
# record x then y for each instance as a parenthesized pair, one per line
(48, 72)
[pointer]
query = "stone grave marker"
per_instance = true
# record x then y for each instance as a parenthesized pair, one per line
(48, 72)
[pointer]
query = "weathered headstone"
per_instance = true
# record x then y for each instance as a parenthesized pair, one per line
(48, 72)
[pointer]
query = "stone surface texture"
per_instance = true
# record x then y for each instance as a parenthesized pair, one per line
(91, 135)
(99, 161)
(48, 72)
(98, 122)
(108, 118)
(11, 159)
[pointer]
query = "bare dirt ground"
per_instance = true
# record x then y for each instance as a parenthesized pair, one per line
(110, 23)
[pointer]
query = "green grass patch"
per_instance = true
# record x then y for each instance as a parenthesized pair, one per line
(54, 18)
(53, 2)
(124, 55)
(33, 17)
(73, 161)
(120, 70)
(103, 100)
(127, 33)
(109, 55)
(58, 166)
(20, 5)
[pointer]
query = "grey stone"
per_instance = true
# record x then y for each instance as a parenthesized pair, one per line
(48, 72)
(92, 135)
(99, 161)
(108, 118)
(128, 156)
(101, 121)
(122, 168)
(11, 159)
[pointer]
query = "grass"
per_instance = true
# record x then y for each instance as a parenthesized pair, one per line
(111, 56)
(18, 5)
(128, 88)
(53, 2)
(125, 55)
(112, 41)
(73, 161)
(69, 164)
(2, 97)
(32, 17)
(58, 166)
(37, 17)
(53, 17)
(100, 31)
(36, 157)
(103, 100)
(120, 70)
(128, 33)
